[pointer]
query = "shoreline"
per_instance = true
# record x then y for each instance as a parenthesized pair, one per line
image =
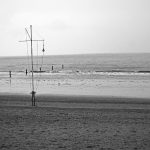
(77, 98)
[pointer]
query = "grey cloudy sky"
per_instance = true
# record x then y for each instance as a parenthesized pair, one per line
(76, 26)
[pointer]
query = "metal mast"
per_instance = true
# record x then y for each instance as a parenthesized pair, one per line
(33, 92)
(32, 62)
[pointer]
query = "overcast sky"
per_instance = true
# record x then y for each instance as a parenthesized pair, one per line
(76, 26)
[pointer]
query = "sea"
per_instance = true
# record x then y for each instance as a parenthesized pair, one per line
(138, 62)
(126, 74)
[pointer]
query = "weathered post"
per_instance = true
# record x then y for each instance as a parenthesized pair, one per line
(26, 72)
(10, 74)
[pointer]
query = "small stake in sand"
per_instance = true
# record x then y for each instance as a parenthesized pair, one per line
(26, 72)
(31, 40)
(10, 74)
(62, 66)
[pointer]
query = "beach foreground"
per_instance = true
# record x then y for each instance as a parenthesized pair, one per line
(74, 122)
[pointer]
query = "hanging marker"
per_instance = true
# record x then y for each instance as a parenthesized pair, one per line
(43, 48)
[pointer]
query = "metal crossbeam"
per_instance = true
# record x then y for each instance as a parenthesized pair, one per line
(30, 40)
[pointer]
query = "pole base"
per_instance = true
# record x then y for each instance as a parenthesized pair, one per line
(33, 98)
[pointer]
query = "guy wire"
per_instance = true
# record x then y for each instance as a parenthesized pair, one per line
(37, 65)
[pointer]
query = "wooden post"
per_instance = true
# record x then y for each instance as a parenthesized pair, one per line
(10, 74)
(26, 72)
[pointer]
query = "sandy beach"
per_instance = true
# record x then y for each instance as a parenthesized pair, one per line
(74, 122)
(75, 75)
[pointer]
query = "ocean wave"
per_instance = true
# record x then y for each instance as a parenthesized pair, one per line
(79, 72)
(123, 72)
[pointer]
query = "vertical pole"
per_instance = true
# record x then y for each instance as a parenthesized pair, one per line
(10, 74)
(26, 72)
(33, 92)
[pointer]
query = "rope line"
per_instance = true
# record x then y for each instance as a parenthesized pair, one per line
(40, 72)
(37, 55)
(37, 65)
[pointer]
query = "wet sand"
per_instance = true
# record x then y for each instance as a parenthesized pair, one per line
(105, 84)
(74, 122)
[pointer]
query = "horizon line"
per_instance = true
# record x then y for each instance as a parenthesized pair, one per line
(79, 54)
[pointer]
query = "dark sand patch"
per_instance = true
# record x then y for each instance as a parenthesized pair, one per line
(67, 101)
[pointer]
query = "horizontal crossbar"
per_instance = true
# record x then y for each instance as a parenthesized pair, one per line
(30, 40)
